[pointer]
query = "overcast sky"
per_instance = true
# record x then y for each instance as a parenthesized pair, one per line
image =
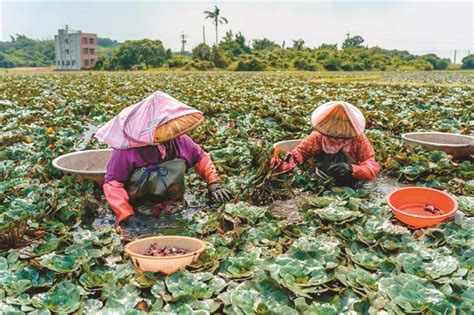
(420, 27)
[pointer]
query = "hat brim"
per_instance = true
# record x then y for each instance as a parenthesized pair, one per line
(178, 127)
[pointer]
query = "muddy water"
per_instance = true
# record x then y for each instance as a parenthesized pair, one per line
(172, 224)
(289, 209)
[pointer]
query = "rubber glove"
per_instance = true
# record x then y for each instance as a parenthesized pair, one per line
(340, 170)
(133, 223)
(219, 194)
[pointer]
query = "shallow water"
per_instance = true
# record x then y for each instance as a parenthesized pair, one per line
(289, 209)
(171, 224)
(383, 185)
(90, 130)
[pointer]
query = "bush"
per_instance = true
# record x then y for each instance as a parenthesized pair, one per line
(202, 65)
(253, 64)
(468, 62)
(332, 64)
(202, 52)
(178, 62)
(303, 64)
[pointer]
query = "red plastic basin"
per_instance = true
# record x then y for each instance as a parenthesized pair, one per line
(407, 205)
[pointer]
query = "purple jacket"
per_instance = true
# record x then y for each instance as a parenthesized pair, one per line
(123, 162)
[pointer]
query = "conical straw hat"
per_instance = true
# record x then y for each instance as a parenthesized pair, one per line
(158, 118)
(177, 127)
(338, 119)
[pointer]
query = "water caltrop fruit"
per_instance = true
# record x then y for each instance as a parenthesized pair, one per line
(153, 250)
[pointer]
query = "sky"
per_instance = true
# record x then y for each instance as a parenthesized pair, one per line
(420, 27)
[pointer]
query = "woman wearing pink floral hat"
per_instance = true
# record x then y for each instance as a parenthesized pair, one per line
(338, 145)
(145, 175)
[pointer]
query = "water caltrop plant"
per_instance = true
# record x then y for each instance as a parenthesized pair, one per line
(346, 253)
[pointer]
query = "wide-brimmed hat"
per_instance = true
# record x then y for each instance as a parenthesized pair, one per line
(158, 118)
(338, 119)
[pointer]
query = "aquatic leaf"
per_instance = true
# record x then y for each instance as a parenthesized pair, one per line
(59, 263)
(200, 285)
(64, 297)
(336, 214)
(414, 294)
(429, 263)
(250, 297)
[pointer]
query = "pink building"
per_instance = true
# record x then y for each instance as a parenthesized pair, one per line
(75, 50)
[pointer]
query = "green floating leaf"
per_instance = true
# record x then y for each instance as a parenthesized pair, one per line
(414, 294)
(429, 263)
(64, 297)
(200, 285)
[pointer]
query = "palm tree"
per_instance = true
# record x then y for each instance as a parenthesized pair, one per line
(217, 19)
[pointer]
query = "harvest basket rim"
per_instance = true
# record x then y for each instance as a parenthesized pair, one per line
(446, 215)
(76, 171)
(194, 253)
(406, 137)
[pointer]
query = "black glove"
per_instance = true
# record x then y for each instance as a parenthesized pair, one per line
(132, 222)
(219, 194)
(340, 170)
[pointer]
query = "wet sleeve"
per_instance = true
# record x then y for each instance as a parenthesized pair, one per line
(189, 151)
(207, 170)
(368, 168)
(117, 197)
(309, 147)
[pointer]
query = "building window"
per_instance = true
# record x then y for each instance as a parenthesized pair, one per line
(68, 63)
(62, 62)
(66, 41)
(91, 41)
(92, 62)
(59, 63)
(73, 62)
(67, 51)
(85, 51)
(84, 40)
(86, 62)
(91, 51)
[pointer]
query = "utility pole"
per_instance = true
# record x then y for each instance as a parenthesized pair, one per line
(203, 34)
(455, 51)
(348, 35)
(283, 45)
(183, 42)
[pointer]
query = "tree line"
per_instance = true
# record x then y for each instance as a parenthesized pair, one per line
(232, 52)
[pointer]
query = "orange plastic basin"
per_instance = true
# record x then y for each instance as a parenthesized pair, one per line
(407, 204)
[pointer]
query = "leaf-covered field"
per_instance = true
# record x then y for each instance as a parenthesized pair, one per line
(348, 255)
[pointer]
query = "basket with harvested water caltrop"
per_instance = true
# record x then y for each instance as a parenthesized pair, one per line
(164, 264)
(88, 164)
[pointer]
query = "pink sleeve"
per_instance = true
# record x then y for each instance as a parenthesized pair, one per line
(368, 168)
(117, 197)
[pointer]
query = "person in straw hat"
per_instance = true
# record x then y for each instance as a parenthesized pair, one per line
(151, 153)
(338, 145)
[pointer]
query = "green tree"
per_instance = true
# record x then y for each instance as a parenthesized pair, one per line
(353, 42)
(437, 62)
(146, 52)
(468, 62)
(263, 44)
(202, 52)
(107, 42)
(219, 58)
(328, 46)
(234, 44)
(298, 44)
(217, 19)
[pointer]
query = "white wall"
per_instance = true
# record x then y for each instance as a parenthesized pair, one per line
(67, 51)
